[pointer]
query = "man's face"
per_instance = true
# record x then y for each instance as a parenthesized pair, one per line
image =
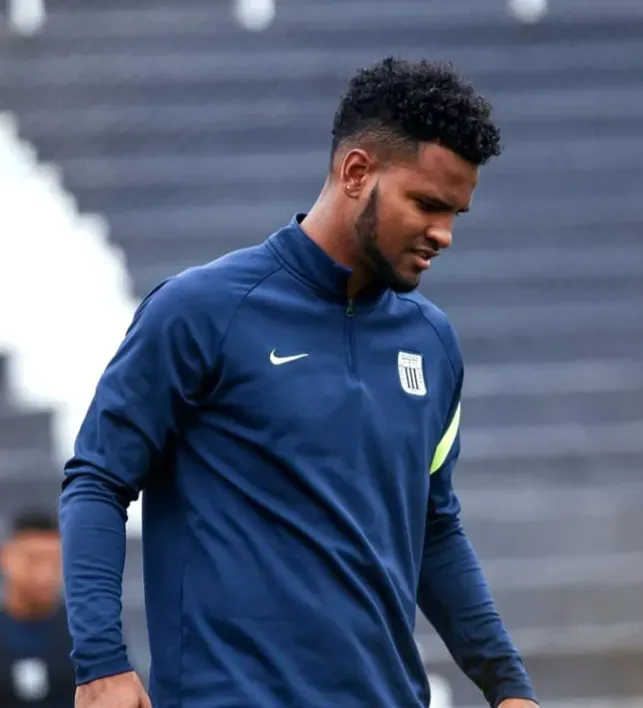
(31, 565)
(407, 214)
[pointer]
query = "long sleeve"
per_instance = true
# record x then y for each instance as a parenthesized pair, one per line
(145, 393)
(453, 593)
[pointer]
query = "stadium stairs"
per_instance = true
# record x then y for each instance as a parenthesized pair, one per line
(27, 475)
(193, 138)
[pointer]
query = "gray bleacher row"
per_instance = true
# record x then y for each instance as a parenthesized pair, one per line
(194, 138)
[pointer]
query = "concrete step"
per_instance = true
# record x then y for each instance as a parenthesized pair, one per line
(237, 115)
(552, 441)
(304, 23)
(546, 320)
(600, 679)
(23, 429)
(608, 531)
(482, 346)
(581, 408)
(529, 290)
(162, 91)
(600, 468)
(26, 463)
(562, 378)
(315, 72)
(509, 266)
(41, 488)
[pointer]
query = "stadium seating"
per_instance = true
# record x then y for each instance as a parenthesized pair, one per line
(26, 471)
(194, 137)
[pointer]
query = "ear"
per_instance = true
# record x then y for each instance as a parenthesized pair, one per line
(357, 169)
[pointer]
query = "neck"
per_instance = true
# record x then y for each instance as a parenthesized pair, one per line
(17, 607)
(326, 225)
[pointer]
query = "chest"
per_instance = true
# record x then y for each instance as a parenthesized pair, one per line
(327, 380)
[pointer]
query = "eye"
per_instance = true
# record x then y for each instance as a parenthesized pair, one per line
(427, 206)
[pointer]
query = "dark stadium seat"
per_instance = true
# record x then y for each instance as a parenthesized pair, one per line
(27, 474)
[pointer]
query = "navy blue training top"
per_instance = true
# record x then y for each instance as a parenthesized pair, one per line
(295, 452)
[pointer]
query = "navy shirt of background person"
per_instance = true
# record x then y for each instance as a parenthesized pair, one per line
(35, 668)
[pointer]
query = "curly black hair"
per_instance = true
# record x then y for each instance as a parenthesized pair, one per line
(399, 103)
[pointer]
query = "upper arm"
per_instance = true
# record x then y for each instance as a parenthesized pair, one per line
(148, 388)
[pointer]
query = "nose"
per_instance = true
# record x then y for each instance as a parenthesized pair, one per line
(441, 236)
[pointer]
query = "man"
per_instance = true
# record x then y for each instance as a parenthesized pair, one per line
(292, 411)
(34, 640)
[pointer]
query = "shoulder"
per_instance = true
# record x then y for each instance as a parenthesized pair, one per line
(437, 321)
(209, 293)
(230, 277)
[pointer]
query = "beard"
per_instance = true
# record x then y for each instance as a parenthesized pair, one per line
(369, 255)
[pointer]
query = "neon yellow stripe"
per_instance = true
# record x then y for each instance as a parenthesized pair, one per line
(445, 445)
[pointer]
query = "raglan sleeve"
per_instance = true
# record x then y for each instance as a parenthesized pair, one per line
(147, 390)
(453, 593)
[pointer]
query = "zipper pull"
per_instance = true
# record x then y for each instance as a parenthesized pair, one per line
(349, 308)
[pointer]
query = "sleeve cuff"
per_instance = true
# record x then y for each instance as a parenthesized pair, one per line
(88, 673)
(515, 691)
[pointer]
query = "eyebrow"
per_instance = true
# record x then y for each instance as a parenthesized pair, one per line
(442, 204)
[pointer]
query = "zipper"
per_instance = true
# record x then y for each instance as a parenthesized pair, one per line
(350, 344)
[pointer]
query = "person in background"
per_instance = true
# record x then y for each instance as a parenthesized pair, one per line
(35, 669)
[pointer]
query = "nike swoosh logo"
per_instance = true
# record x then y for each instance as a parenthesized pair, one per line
(278, 360)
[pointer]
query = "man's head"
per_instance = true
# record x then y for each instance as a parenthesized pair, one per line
(31, 563)
(408, 139)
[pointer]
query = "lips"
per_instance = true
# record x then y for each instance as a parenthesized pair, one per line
(426, 253)
(424, 256)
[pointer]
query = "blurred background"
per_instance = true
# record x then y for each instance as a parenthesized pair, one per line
(139, 138)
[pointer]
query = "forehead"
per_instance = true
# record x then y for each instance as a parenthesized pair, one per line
(435, 167)
(37, 541)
